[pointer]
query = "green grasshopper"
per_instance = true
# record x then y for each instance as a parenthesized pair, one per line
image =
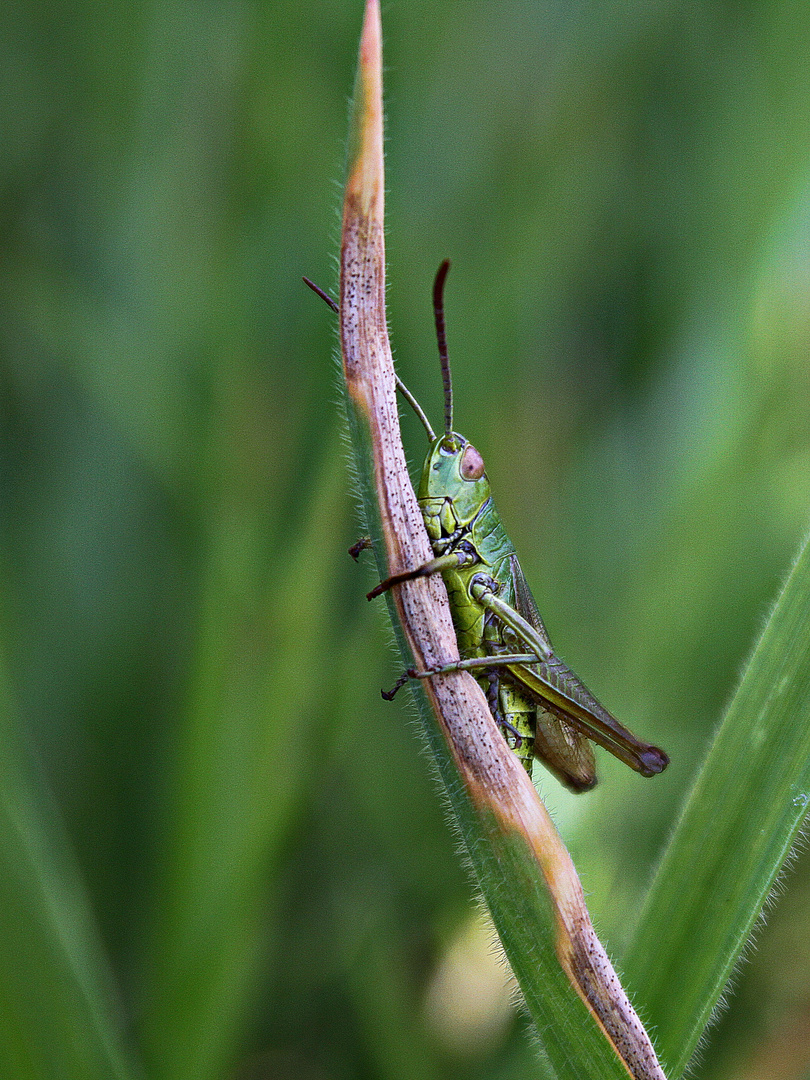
(538, 703)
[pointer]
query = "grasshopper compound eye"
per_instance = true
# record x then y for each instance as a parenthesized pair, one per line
(472, 464)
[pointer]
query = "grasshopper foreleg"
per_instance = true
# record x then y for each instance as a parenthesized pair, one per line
(435, 566)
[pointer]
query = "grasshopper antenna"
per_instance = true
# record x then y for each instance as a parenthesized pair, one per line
(417, 408)
(438, 314)
(403, 389)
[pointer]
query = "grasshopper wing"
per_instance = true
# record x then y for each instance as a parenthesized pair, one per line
(560, 692)
(561, 746)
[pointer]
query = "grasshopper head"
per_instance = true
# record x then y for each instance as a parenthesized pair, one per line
(453, 487)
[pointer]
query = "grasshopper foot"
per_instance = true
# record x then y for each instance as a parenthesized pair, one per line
(389, 695)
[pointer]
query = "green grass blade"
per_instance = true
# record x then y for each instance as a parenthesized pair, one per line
(57, 1000)
(254, 717)
(735, 834)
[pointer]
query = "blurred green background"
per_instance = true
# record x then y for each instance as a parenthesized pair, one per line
(223, 855)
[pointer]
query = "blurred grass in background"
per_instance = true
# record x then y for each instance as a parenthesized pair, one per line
(224, 855)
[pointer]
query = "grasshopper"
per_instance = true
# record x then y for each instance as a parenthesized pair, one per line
(541, 707)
